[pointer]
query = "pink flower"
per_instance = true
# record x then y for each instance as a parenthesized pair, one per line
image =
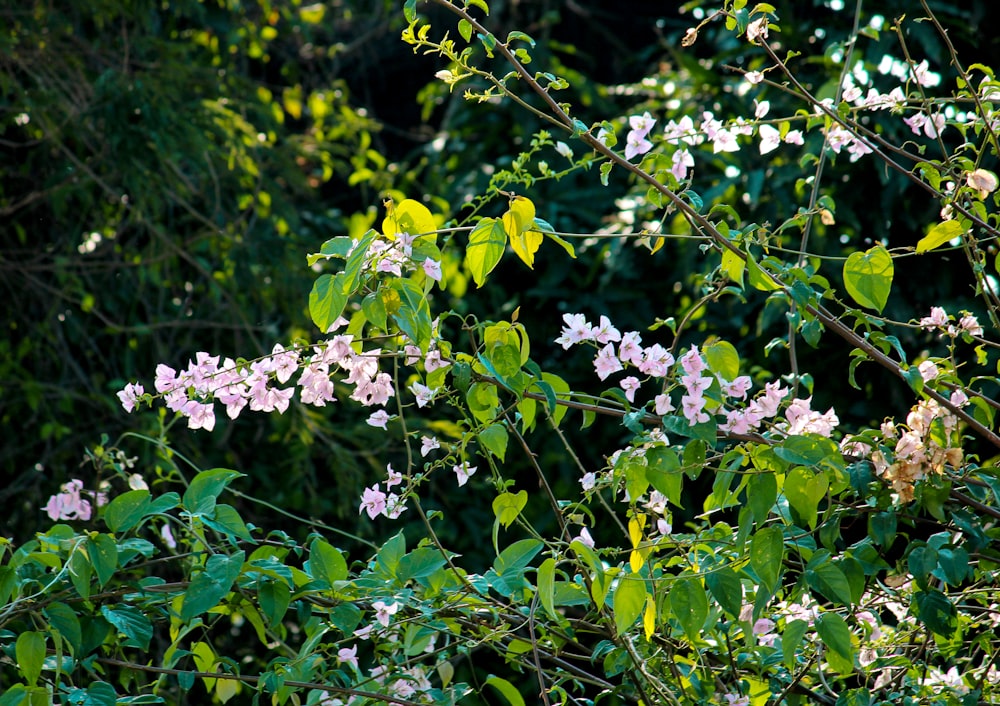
(68, 505)
(434, 361)
(663, 404)
(424, 394)
(636, 144)
(432, 268)
(691, 361)
(464, 472)
(970, 324)
(584, 538)
(384, 612)
(770, 138)
(630, 350)
(630, 385)
(937, 319)
(200, 416)
(604, 332)
(656, 361)
(588, 481)
(378, 419)
(428, 444)
(576, 330)
(372, 502)
(691, 407)
(394, 477)
(130, 396)
(348, 655)
(606, 363)
(642, 124)
(680, 161)
(168, 537)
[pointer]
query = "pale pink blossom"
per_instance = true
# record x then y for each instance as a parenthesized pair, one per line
(428, 444)
(605, 332)
(692, 362)
(606, 362)
(68, 504)
(630, 350)
(630, 385)
(680, 162)
(588, 481)
(636, 144)
(584, 538)
(130, 396)
(372, 502)
(928, 370)
(663, 405)
(424, 394)
(379, 419)
(692, 407)
(384, 612)
(576, 330)
(348, 655)
(770, 138)
(463, 471)
(432, 268)
(937, 319)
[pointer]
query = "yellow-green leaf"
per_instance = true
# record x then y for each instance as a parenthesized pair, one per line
(733, 266)
(486, 245)
(939, 235)
(408, 216)
(868, 277)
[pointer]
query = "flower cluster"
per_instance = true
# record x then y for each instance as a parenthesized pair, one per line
(393, 255)
(691, 374)
(918, 450)
(941, 321)
(70, 503)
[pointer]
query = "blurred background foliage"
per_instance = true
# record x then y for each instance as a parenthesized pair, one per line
(168, 165)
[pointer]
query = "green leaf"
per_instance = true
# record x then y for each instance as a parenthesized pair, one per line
(515, 559)
(722, 359)
(689, 604)
(767, 549)
(274, 597)
(494, 439)
(836, 636)
(465, 29)
(326, 563)
(486, 245)
(726, 589)
(663, 472)
(227, 520)
(420, 564)
(507, 506)
(103, 552)
(201, 496)
(804, 490)
(63, 618)
(790, 640)
(940, 234)
(130, 622)
(733, 266)
(326, 301)
(208, 588)
(509, 692)
(868, 277)
(30, 653)
(759, 279)
(830, 581)
(126, 510)
(546, 587)
(936, 612)
(762, 491)
(629, 600)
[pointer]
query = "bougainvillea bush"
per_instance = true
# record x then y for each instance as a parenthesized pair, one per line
(740, 544)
